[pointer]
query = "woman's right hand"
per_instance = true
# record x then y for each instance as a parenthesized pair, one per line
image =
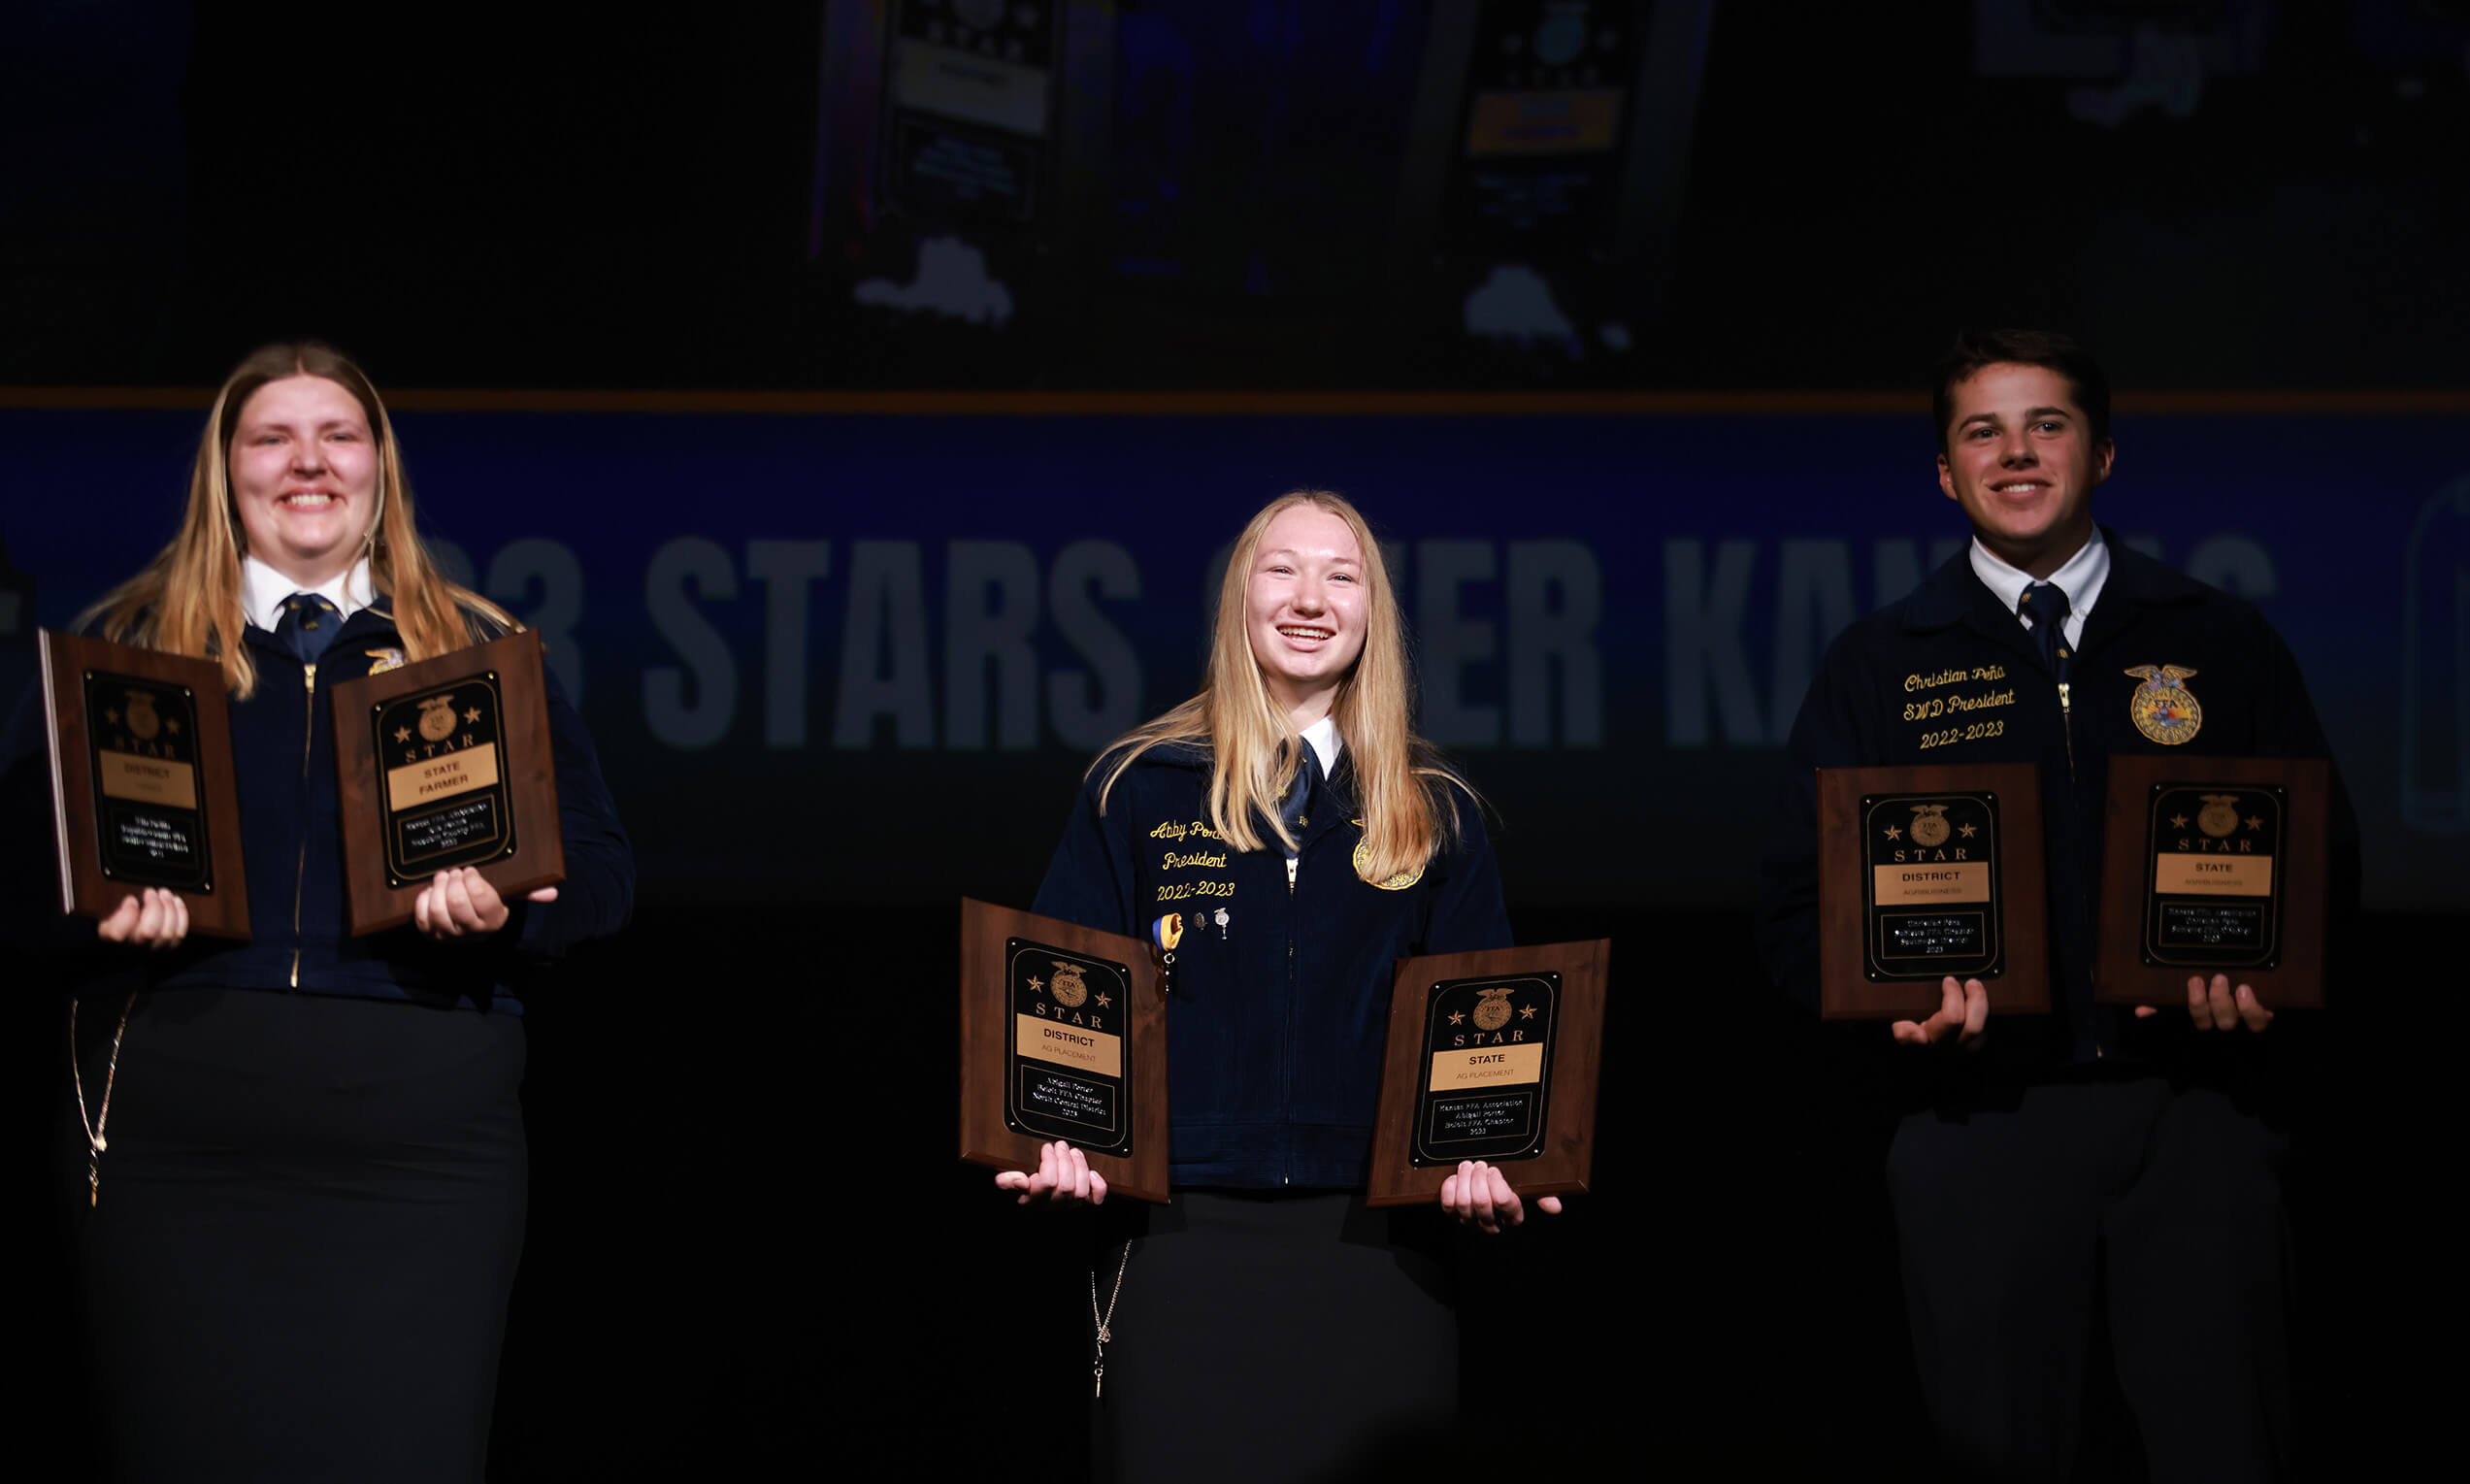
(158, 919)
(1064, 1179)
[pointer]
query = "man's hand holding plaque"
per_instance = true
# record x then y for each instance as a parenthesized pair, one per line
(2214, 879)
(1931, 902)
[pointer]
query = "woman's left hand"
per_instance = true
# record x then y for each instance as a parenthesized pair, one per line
(462, 904)
(1480, 1194)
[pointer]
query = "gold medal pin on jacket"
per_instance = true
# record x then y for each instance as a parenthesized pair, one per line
(2163, 708)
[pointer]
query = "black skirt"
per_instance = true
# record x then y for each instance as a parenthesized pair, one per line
(1264, 1335)
(306, 1228)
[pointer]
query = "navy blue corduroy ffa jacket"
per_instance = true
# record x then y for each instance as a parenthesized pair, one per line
(291, 845)
(1870, 705)
(1279, 1012)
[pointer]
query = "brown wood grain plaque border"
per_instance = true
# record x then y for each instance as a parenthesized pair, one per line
(1846, 992)
(374, 902)
(986, 1028)
(2297, 980)
(85, 889)
(1568, 1161)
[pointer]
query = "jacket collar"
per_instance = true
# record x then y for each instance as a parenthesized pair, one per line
(1196, 757)
(1955, 595)
(375, 619)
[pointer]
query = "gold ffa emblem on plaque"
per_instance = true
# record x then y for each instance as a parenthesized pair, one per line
(437, 718)
(2218, 816)
(2163, 707)
(1491, 1009)
(142, 717)
(1398, 882)
(1930, 824)
(1067, 986)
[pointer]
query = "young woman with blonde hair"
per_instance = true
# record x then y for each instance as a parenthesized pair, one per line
(1287, 829)
(297, 1163)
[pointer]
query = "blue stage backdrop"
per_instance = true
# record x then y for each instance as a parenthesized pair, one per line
(865, 656)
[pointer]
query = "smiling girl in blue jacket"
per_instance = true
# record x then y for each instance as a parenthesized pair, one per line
(298, 1162)
(1291, 836)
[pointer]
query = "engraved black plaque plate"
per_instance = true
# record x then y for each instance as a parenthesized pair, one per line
(149, 809)
(442, 757)
(1930, 897)
(2212, 854)
(1487, 1073)
(1065, 1061)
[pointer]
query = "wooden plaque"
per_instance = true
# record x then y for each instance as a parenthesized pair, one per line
(1494, 1056)
(142, 786)
(442, 764)
(1063, 1035)
(2214, 864)
(1925, 871)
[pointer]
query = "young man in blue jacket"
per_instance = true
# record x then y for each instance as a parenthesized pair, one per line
(2046, 1163)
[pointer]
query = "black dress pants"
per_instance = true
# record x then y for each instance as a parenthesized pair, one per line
(306, 1234)
(2167, 1201)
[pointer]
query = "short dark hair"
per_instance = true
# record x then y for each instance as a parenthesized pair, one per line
(1977, 349)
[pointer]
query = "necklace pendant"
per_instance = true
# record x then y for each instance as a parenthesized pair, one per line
(93, 1186)
(1098, 1387)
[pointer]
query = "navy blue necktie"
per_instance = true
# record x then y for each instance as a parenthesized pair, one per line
(1295, 808)
(309, 623)
(2045, 605)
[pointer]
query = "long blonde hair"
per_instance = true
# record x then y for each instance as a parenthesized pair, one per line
(188, 599)
(1255, 751)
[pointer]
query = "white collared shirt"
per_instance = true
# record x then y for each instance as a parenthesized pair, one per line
(2080, 579)
(1326, 742)
(267, 590)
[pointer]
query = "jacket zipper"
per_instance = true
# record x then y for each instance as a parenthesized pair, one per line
(2068, 730)
(1286, 1058)
(300, 877)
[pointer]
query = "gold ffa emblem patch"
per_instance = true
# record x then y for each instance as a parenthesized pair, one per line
(1398, 882)
(1491, 1009)
(2163, 707)
(382, 660)
(1068, 987)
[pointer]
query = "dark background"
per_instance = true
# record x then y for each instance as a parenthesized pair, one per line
(750, 1248)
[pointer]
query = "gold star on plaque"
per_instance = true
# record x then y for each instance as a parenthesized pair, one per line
(2255, 821)
(1104, 1000)
(1456, 1016)
(1894, 833)
(171, 727)
(1966, 830)
(471, 714)
(403, 734)
(1525, 1012)
(2178, 821)
(110, 717)
(1036, 984)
